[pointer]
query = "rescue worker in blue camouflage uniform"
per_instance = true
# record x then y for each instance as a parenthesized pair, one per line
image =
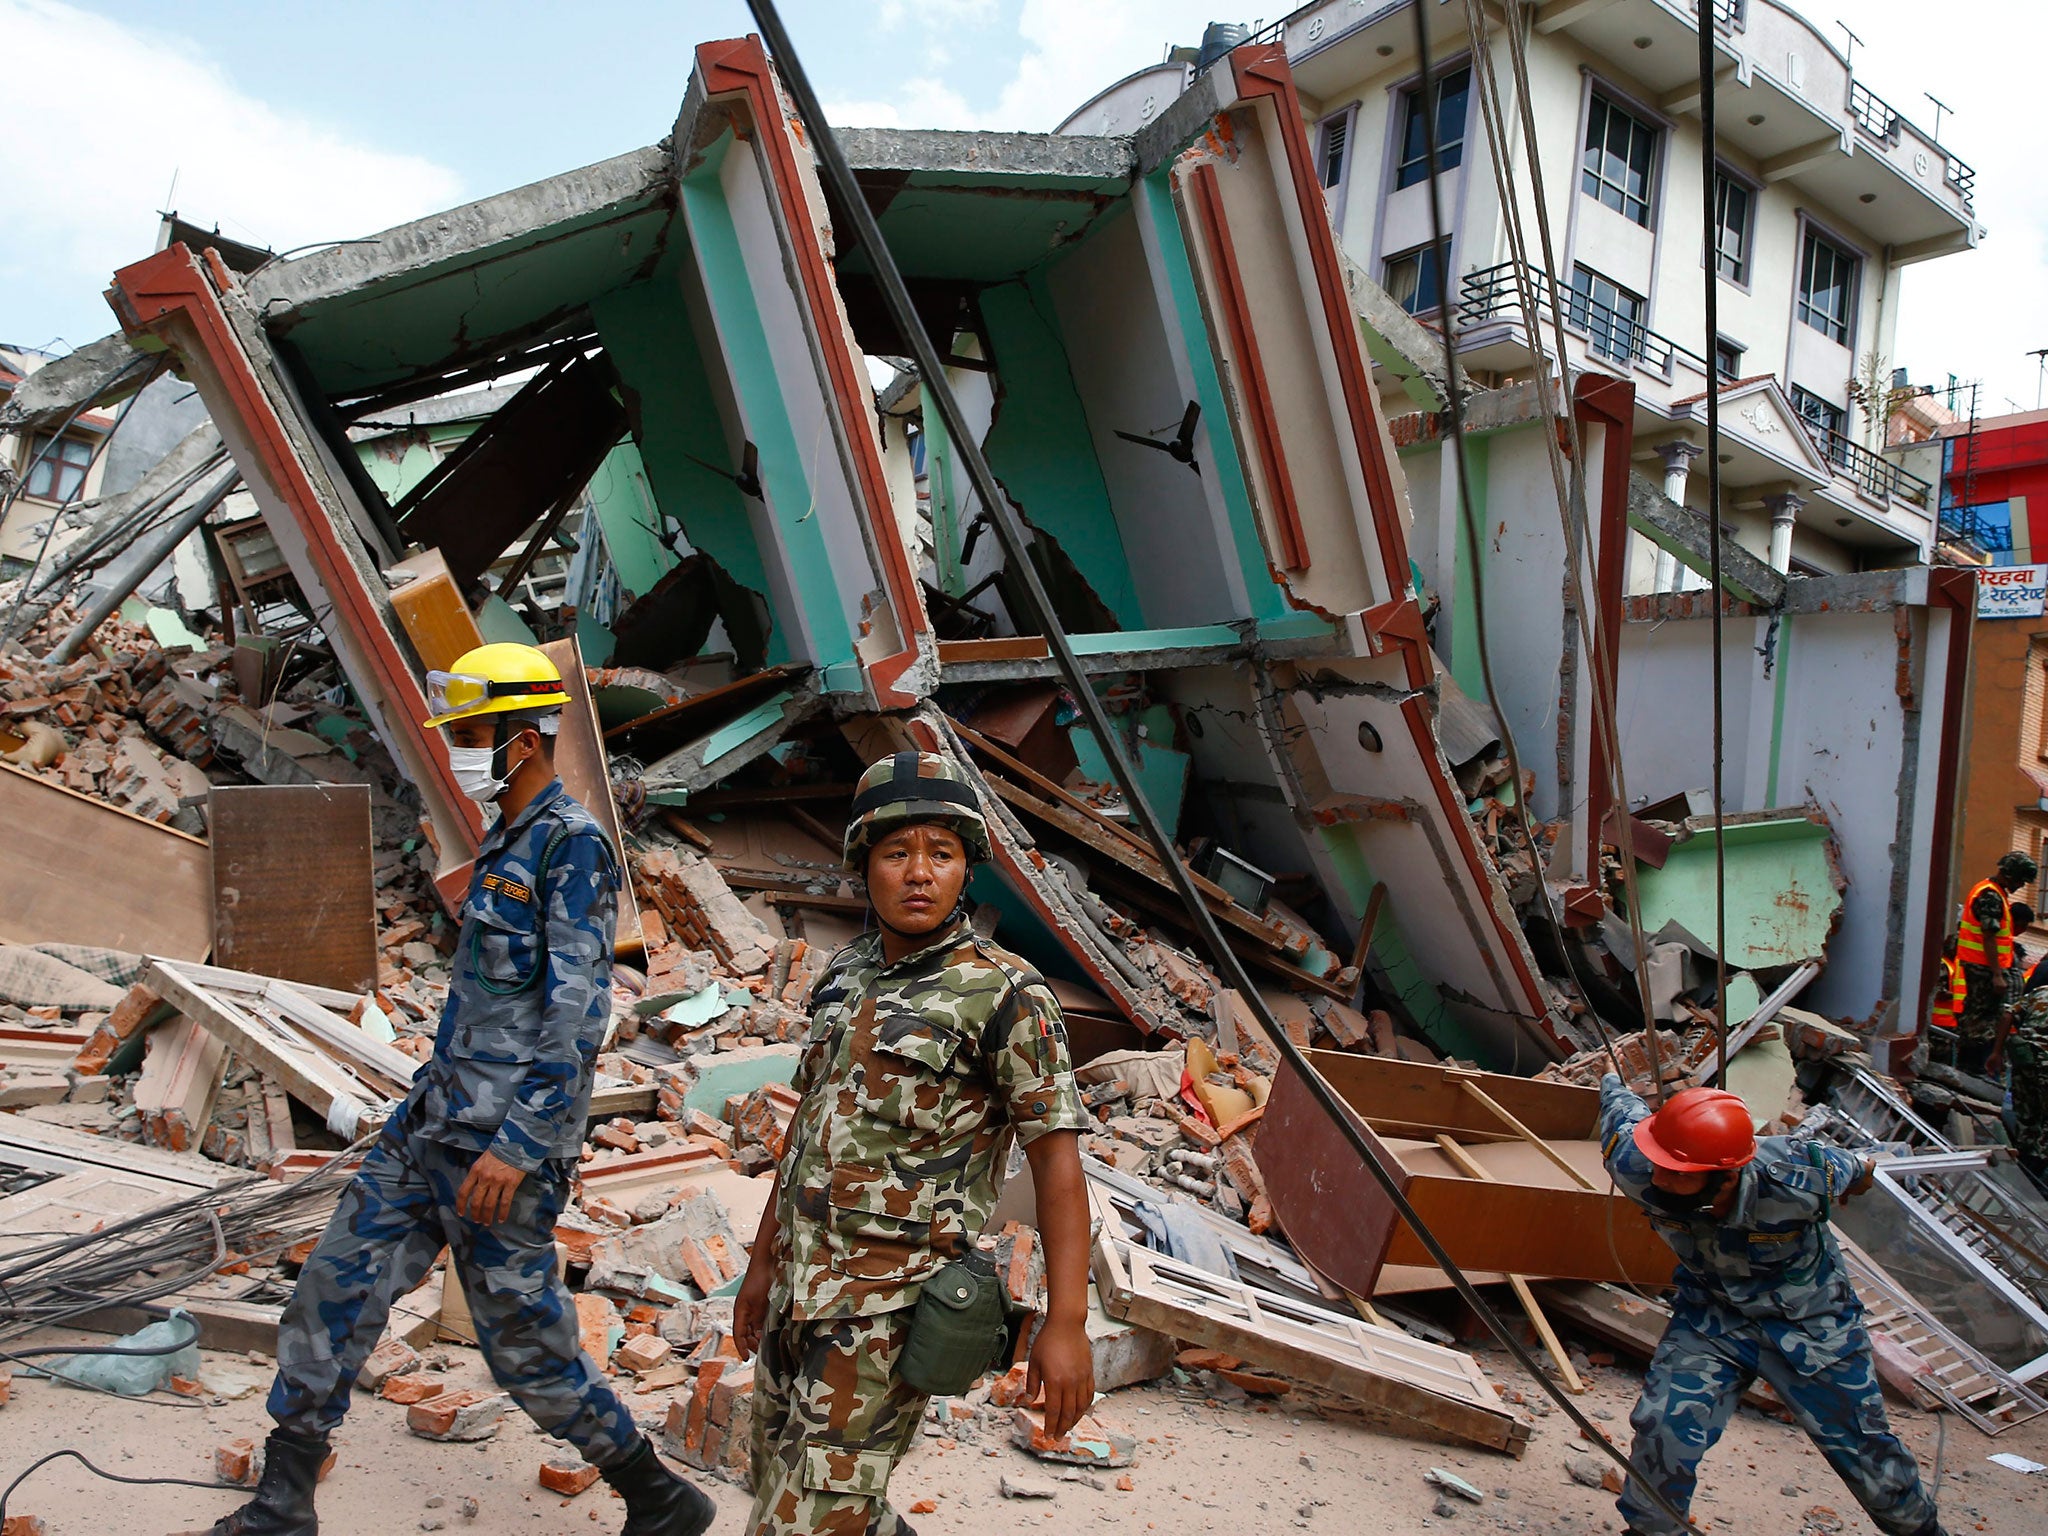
(480, 1155)
(1761, 1291)
(929, 1050)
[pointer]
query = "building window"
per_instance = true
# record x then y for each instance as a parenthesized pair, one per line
(1827, 287)
(1733, 206)
(1727, 360)
(1415, 278)
(58, 473)
(1451, 93)
(1333, 159)
(1608, 313)
(1826, 420)
(1620, 151)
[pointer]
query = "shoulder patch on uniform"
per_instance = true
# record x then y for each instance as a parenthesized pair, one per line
(507, 887)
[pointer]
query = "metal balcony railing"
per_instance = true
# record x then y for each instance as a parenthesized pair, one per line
(1728, 14)
(1876, 116)
(1874, 475)
(1618, 338)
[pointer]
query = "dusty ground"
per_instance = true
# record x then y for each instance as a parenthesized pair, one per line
(1202, 1467)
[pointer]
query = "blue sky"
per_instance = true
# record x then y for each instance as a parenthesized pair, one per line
(287, 124)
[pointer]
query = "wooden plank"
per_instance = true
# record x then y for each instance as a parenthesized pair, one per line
(431, 611)
(1473, 1091)
(585, 771)
(235, 1327)
(272, 1045)
(622, 1099)
(1006, 648)
(80, 872)
(1424, 1383)
(57, 1149)
(1519, 1284)
(294, 893)
(52, 1048)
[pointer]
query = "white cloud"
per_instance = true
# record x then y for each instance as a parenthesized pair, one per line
(1072, 49)
(100, 118)
(933, 13)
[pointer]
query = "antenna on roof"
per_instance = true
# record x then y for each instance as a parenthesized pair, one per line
(1853, 41)
(1940, 107)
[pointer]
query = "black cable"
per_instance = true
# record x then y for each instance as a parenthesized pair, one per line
(1003, 519)
(112, 1477)
(1712, 268)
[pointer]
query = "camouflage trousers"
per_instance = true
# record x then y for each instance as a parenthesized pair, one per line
(1693, 1385)
(393, 1220)
(1986, 992)
(831, 1420)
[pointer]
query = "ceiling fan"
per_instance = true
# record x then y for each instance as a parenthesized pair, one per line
(748, 479)
(1181, 448)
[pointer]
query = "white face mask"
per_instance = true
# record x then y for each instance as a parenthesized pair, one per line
(472, 767)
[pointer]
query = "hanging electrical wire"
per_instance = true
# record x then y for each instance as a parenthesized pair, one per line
(839, 179)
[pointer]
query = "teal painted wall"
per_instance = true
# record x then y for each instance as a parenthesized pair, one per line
(1464, 601)
(1267, 600)
(623, 498)
(646, 329)
(1040, 446)
(729, 286)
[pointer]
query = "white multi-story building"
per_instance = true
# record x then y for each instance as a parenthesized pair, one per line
(53, 469)
(1823, 195)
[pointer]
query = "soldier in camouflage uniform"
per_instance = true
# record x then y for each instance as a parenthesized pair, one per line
(480, 1156)
(1761, 1291)
(2026, 1055)
(929, 1050)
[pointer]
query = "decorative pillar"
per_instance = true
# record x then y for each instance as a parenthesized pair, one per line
(1677, 457)
(1784, 510)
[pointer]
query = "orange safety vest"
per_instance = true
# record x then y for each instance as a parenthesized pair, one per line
(1948, 1001)
(1970, 932)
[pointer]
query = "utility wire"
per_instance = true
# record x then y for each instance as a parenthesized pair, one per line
(1003, 518)
(1711, 273)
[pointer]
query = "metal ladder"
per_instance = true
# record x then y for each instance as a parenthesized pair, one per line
(1956, 1375)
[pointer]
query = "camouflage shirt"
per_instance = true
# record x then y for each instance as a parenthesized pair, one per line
(530, 1000)
(2026, 1055)
(912, 1077)
(1770, 1266)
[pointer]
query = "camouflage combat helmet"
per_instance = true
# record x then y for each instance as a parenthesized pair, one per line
(909, 787)
(2017, 869)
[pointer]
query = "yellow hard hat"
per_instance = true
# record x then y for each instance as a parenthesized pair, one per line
(494, 679)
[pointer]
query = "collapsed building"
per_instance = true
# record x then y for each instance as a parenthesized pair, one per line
(654, 415)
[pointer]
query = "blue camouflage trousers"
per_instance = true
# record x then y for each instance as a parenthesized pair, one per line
(1693, 1384)
(391, 1225)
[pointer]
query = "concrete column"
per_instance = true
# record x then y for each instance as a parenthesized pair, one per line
(1784, 510)
(1677, 457)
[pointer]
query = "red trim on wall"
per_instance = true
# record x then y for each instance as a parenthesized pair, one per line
(1611, 403)
(1256, 396)
(740, 65)
(1955, 590)
(169, 296)
(1262, 72)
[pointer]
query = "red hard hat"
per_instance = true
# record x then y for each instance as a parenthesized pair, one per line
(1701, 1130)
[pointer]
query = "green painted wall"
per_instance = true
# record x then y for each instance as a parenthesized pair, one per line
(623, 498)
(1464, 601)
(729, 286)
(1040, 446)
(1396, 966)
(646, 330)
(1267, 600)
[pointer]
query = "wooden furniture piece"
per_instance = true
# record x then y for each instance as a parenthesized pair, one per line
(1540, 1207)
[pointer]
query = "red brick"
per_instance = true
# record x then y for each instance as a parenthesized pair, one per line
(470, 1414)
(567, 1478)
(236, 1462)
(414, 1388)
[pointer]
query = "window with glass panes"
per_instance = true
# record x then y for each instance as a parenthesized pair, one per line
(1452, 91)
(1827, 287)
(1733, 203)
(1826, 417)
(58, 467)
(1608, 313)
(1415, 278)
(1621, 153)
(1727, 359)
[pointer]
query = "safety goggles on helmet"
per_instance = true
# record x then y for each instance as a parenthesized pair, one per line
(454, 693)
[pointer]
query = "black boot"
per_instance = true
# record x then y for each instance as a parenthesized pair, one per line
(658, 1503)
(283, 1505)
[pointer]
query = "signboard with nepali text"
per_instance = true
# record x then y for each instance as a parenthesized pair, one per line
(2011, 591)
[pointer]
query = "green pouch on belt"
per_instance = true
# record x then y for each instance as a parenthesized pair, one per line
(959, 1329)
